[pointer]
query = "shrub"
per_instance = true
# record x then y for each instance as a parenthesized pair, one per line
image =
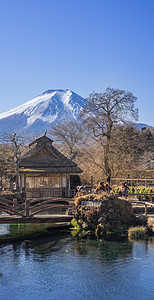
(131, 190)
(137, 233)
(77, 225)
(151, 224)
(116, 189)
(91, 215)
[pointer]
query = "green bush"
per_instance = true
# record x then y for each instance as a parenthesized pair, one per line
(77, 225)
(131, 190)
(116, 189)
(137, 190)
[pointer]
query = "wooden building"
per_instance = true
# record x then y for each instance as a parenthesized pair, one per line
(44, 171)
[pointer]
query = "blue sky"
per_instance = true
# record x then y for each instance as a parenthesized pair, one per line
(81, 45)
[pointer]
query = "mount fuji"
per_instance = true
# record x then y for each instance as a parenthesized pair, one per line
(38, 114)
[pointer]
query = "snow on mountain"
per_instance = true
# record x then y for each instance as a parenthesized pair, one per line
(142, 125)
(38, 113)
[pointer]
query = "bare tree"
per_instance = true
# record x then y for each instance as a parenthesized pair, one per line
(102, 111)
(69, 133)
(15, 142)
(6, 163)
(147, 145)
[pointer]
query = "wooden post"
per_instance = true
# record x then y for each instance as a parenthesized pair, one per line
(92, 184)
(27, 208)
(146, 210)
(25, 181)
(15, 204)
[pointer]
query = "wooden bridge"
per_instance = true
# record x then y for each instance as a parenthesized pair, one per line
(29, 211)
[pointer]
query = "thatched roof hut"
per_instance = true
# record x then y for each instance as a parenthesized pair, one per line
(44, 167)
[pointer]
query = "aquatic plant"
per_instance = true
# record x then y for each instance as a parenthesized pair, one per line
(151, 224)
(138, 232)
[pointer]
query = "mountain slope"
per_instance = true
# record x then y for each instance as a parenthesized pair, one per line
(142, 125)
(37, 114)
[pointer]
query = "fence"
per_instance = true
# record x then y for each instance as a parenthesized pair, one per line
(50, 192)
(142, 197)
(148, 182)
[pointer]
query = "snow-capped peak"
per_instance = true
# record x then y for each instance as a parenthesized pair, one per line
(47, 107)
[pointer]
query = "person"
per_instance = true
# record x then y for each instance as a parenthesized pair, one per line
(1, 186)
(79, 187)
(128, 181)
(100, 187)
(124, 189)
(108, 188)
(85, 188)
(82, 189)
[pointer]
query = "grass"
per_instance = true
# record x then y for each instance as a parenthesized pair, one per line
(137, 233)
(151, 224)
(20, 232)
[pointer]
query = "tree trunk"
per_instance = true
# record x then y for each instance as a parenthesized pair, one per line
(106, 158)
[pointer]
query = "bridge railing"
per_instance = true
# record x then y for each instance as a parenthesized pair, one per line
(11, 207)
(32, 207)
(36, 206)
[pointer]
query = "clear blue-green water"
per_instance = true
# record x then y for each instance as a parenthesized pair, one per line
(66, 268)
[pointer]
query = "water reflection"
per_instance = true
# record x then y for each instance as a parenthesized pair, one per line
(104, 251)
(62, 267)
(42, 249)
(4, 229)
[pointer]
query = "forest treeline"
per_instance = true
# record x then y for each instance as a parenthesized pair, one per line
(103, 140)
(131, 151)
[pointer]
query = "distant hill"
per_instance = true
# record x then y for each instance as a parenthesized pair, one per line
(38, 114)
(141, 125)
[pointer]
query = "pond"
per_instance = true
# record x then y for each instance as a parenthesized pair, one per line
(62, 267)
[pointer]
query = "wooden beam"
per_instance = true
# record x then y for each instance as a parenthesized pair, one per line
(37, 219)
(27, 208)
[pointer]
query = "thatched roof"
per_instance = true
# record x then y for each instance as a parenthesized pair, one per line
(43, 157)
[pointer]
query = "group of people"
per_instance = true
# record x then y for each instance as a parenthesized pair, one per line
(82, 188)
(102, 187)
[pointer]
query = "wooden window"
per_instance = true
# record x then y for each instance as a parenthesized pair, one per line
(37, 182)
(43, 181)
(29, 182)
(54, 182)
